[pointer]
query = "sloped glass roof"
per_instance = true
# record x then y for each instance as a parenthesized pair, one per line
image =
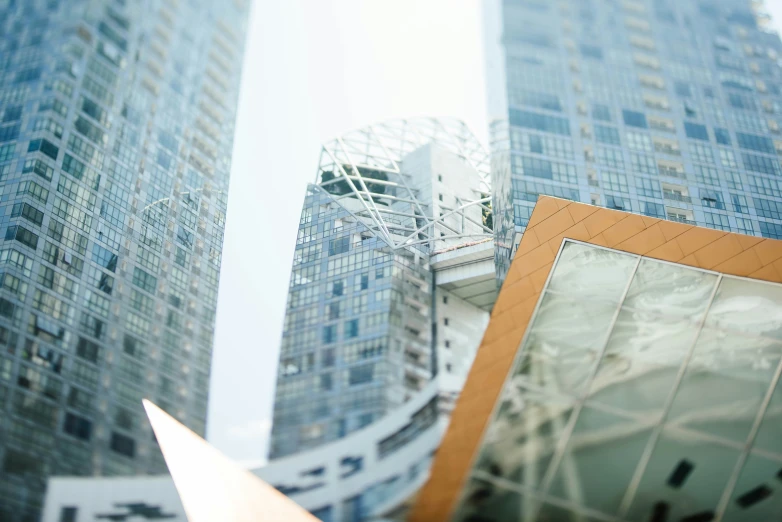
(642, 390)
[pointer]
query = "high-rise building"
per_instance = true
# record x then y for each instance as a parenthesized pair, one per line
(115, 142)
(392, 277)
(670, 109)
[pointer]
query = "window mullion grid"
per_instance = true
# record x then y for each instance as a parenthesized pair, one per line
(564, 440)
(657, 431)
(722, 505)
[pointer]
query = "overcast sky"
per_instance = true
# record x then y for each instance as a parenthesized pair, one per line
(313, 70)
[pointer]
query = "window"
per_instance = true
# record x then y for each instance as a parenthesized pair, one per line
(591, 51)
(34, 190)
(601, 112)
(334, 310)
(643, 163)
(21, 234)
(756, 143)
(618, 203)
(722, 135)
(144, 280)
(767, 208)
(771, 230)
(447, 344)
(123, 445)
(538, 99)
(638, 141)
(329, 334)
(364, 281)
(445, 299)
(653, 209)
(760, 185)
(28, 212)
(727, 158)
(733, 180)
(739, 203)
(744, 226)
(351, 329)
(9, 133)
(718, 221)
(45, 146)
(615, 181)
(132, 346)
(328, 358)
(339, 245)
(337, 288)
(325, 381)
(541, 122)
(545, 169)
(696, 131)
(647, 187)
(606, 134)
(445, 321)
(712, 199)
(707, 175)
(762, 164)
(104, 258)
(682, 89)
(68, 514)
(88, 350)
(361, 374)
(634, 119)
(12, 113)
(78, 427)
(322, 513)
(701, 152)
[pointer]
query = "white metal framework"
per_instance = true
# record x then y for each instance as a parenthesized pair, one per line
(362, 171)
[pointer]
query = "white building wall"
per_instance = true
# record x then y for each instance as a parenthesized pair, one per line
(96, 497)
(460, 328)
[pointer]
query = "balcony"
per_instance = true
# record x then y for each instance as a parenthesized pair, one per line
(675, 196)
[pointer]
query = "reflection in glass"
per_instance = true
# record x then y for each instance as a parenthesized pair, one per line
(588, 271)
(642, 359)
(685, 473)
(748, 306)
(725, 383)
(733, 363)
(564, 343)
(769, 436)
(600, 459)
(670, 289)
(757, 492)
(484, 500)
(523, 436)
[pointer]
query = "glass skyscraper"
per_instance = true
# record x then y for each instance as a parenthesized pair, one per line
(670, 109)
(366, 326)
(116, 129)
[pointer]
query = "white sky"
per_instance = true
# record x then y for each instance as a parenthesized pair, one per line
(315, 69)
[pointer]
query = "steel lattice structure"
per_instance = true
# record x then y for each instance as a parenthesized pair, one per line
(362, 171)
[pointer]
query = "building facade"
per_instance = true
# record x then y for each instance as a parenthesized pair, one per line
(367, 326)
(115, 144)
(670, 109)
(370, 474)
(631, 370)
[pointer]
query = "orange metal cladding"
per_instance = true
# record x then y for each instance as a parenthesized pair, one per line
(553, 220)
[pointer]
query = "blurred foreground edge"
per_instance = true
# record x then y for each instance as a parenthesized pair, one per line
(213, 488)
